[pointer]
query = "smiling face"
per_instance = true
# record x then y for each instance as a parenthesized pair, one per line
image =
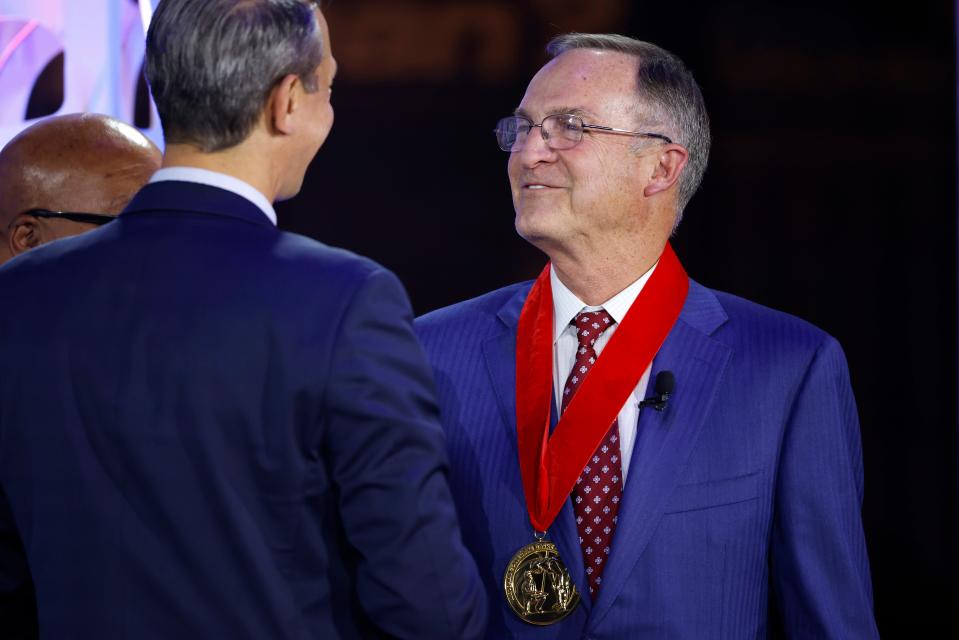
(580, 199)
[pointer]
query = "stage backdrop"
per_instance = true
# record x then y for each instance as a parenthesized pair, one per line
(66, 56)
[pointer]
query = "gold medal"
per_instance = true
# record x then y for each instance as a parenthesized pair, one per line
(538, 586)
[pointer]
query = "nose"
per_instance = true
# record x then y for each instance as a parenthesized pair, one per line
(536, 149)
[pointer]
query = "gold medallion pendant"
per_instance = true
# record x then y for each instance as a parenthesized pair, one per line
(537, 585)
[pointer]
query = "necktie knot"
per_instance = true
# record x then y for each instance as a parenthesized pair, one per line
(590, 325)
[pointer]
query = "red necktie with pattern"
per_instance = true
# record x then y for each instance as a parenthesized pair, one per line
(598, 490)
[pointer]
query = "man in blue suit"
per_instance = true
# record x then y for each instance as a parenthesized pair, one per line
(210, 428)
(725, 505)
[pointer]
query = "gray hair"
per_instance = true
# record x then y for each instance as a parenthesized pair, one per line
(668, 93)
(211, 64)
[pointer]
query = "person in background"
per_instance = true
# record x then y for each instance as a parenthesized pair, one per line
(210, 428)
(692, 458)
(68, 174)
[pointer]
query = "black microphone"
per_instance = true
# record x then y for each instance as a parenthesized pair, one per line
(665, 381)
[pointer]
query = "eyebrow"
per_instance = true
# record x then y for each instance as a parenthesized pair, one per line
(573, 111)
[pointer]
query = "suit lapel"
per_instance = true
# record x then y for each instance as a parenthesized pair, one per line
(666, 439)
(566, 536)
(500, 354)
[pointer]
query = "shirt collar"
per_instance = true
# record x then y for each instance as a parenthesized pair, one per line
(220, 180)
(566, 304)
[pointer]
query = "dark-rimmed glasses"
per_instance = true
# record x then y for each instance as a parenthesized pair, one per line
(98, 219)
(560, 131)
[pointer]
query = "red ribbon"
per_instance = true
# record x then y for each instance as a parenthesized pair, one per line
(550, 464)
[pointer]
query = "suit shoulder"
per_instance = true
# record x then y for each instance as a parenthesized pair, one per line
(56, 256)
(302, 252)
(322, 272)
(479, 313)
(753, 324)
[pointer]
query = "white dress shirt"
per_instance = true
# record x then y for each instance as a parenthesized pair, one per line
(221, 180)
(565, 344)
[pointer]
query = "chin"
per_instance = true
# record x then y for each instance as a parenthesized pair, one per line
(538, 230)
(290, 190)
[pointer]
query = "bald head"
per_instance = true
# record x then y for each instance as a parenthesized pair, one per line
(86, 163)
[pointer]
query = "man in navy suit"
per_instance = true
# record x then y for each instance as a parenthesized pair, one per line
(693, 459)
(210, 428)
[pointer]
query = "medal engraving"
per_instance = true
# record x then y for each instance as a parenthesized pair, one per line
(538, 586)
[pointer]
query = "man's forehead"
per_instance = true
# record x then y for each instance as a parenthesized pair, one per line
(581, 82)
(587, 66)
(324, 30)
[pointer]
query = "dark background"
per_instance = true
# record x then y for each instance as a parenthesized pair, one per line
(830, 194)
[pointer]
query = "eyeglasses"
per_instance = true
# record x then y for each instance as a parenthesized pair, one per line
(560, 131)
(98, 219)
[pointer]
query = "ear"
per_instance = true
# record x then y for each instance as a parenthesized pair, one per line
(669, 164)
(283, 101)
(24, 234)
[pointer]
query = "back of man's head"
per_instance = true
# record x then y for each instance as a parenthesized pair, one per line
(78, 164)
(212, 64)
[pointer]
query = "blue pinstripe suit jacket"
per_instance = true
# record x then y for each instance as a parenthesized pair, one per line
(741, 510)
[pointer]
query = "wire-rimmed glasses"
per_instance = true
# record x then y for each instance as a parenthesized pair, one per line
(560, 131)
(98, 219)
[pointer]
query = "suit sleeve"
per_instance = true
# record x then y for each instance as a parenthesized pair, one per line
(819, 565)
(415, 578)
(18, 609)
